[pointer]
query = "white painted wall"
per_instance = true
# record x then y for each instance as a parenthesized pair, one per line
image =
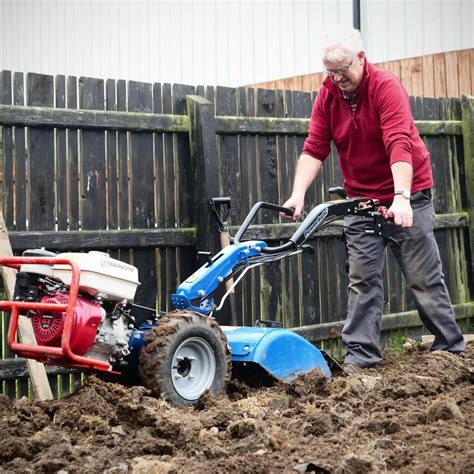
(215, 41)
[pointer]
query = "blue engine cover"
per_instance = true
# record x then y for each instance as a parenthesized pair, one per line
(281, 352)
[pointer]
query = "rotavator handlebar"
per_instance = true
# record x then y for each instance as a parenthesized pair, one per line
(320, 216)
(238, 258)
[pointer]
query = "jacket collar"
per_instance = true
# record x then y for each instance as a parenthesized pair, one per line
(333, 89)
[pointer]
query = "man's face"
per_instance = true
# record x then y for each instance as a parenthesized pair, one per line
(346, 74)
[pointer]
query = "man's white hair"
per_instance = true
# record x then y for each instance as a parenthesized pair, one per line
(341, 42)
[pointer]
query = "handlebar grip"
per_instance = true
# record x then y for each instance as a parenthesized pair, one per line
(289, 211)
(260, 205)
(221, 200)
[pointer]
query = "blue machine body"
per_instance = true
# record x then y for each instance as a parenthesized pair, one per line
(206, 279)
(281, 352)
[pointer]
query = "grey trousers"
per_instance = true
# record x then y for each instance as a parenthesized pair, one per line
(418, 257)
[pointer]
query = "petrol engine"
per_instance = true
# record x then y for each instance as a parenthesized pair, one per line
(102, 324)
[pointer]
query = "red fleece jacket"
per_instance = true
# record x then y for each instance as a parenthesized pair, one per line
(380, 133)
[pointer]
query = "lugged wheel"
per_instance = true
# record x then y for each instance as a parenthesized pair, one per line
(186, 354)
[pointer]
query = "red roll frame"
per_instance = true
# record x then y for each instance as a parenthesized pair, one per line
(63, 355)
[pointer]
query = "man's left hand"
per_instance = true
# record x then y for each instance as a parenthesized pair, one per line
(402, 211)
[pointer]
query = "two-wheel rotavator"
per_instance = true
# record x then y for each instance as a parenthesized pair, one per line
(80, 306)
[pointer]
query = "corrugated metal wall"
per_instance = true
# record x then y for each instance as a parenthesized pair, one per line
(407, 28)
(214, 42)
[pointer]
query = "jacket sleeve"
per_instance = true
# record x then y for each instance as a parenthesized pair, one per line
(396, 120)
(318, 142)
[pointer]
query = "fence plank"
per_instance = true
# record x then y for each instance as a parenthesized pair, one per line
(159, 161)
(405, 319)
(267, 173)
(141, 195)
(292, 283)
(226, 102)
(169, 170)
(160, 201)
(406, 73)
(93, 166)
(270, 275)
(182, 238)
(20, 157)
(168, 268)
(17, 368)
(245, 156)
(61, 159)
(73, 159)
(122, 149)
(416, 77)
(246, 293)
(112, 162)
(42, 199)
(228, 158)
(113, 239)
(7, 201)
(184, 175)
(311, 269)
(452, 74)
(8, 153)
(464, 71)
(141, 160)
(440, 75)
(428, 76)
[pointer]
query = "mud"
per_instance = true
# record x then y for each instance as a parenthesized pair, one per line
(413, 413)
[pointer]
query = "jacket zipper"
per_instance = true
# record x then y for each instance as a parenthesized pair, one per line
(353, 111)
(353, 119)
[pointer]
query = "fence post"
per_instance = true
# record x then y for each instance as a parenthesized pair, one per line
(202, 138)
(468, 140)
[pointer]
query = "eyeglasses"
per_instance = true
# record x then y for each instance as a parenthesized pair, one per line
(341, 71)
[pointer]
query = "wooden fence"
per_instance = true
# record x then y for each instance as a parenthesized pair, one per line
(449, 74)
(128, 168)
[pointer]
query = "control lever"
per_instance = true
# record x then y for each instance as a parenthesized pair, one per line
(215, 205)
(338, 191)
(206, 256)
(380, 215)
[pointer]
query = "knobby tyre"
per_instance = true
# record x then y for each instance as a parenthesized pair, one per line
(185, 355)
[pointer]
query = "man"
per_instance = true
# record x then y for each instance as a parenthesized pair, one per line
(366, 112)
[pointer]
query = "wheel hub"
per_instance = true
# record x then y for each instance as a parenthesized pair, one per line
(184, 367)
(193, 368)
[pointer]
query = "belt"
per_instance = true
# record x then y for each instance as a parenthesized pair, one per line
(424, 192)
(418, 194)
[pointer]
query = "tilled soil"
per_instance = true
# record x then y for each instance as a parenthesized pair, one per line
(413, 413)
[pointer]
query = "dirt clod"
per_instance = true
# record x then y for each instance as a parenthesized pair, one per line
(413, 413)
(444, 409)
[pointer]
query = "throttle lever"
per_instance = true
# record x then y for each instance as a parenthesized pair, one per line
(383, 213)
(386, 214)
